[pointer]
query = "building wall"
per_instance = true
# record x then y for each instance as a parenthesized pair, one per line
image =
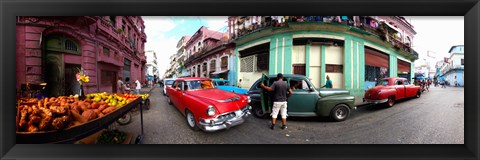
(90, 37)
(352, 55)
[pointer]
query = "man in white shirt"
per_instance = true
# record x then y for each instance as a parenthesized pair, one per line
(138, 86)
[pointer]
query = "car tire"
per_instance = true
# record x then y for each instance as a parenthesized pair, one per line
(390, 101)
(169, 100)
(190, 118)
(258, 112)
(418, 94)
(340, 112)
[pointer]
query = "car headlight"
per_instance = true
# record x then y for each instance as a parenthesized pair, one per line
(249, 99)
(211, 110)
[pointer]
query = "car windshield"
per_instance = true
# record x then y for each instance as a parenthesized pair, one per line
(383, 83)
(199, 84)
(169, 82)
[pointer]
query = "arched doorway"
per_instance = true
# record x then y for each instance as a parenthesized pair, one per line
(59, 75)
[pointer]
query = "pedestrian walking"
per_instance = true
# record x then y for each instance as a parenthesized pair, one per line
(138, 86)
(281, 92)
(120, 86)
(328, 84)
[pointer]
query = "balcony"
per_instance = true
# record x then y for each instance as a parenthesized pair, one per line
(448, 68)
(205, 51)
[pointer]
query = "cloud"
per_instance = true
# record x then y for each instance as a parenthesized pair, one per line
(164, 47)
(216, 23)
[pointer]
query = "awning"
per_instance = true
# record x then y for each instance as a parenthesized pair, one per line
(220, 72)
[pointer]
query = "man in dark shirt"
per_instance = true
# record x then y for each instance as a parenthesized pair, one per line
(280, 90)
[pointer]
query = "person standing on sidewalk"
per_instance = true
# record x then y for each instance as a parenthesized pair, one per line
(138, 86)
(281, 92)
(328, 84)
(120, 87)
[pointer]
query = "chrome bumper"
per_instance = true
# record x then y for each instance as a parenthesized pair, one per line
(215, 124)
(376, 101)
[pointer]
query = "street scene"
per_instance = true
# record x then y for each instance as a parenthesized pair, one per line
(426, 120)
(240, 80)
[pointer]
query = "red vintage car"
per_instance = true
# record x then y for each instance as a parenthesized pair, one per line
(206, 107)
(390, 90)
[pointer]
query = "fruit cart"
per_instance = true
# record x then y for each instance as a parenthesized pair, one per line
(77, 132)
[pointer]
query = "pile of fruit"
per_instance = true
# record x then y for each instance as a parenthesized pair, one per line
(58, 113)
(111, 137)
(145, 96)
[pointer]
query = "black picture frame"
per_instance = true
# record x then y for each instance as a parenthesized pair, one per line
(10, 9)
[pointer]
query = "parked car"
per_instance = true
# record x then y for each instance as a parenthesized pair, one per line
(167, 82)
(225, 85)
(389, 90)
(206, 107)
(305, 101)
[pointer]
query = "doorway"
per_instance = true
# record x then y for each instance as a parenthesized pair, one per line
(54, 72)
(72, 86)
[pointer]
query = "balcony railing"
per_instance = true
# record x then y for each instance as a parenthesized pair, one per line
(451, 67)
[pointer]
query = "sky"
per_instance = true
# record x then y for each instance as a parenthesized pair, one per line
(435, 34)
(163, 33)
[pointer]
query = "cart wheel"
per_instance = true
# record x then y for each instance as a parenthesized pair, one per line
(125, 119)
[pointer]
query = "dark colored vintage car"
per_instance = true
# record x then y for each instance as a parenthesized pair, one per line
(305, 101)
(389, 90)
(206, 107)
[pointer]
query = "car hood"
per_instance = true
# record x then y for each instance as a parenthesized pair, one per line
(224, 101)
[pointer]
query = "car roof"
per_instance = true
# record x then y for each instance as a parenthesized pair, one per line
(192, 78)
(287, 76)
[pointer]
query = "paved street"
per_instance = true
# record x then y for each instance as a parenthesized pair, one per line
(435, 118)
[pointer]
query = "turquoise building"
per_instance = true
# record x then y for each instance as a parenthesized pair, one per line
(354, 51)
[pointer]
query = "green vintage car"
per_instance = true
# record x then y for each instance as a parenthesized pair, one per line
(306, 100)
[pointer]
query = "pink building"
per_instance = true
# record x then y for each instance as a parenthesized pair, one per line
(50, 49)
(208, 54)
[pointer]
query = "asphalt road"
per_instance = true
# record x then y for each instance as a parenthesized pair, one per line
(437, 117)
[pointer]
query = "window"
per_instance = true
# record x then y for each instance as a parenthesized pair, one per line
(212, 65)
(298, 84)
(262, 62)
(224, 61)
(71, 46)
(462, 62)
(199, 84)
(106, 51)
(399, 82)
(335, 68)
(246, 64)
(406, 82)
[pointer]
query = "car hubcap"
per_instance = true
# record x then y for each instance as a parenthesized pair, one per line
(341, 113)
(190, 119)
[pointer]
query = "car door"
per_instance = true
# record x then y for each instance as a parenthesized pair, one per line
(409, 89)
(400, 89)
(173, 93)
(265, 98)
(303, 100)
